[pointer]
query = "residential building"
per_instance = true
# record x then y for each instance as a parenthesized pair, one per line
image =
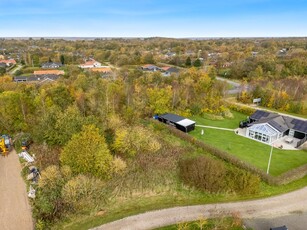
(91, 63)
(36, 78)
(51, 65)
(150, 67)
(8, 62)
(268, 127)
(168, 71)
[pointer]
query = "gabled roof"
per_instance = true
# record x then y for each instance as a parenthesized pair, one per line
(170, 69)
(279, 122)
(50, 64)
(8, 62)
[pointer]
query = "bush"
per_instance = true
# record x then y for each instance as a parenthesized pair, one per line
(242, 182)
(81, 192)
(203, 173)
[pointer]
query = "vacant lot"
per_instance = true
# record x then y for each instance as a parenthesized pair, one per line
(246, 149)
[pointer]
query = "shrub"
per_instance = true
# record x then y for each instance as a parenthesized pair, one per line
(203, 173)
(81, 192)
(134, 140)
(242, 182)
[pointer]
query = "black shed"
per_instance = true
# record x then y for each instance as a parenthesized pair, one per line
(181, 123)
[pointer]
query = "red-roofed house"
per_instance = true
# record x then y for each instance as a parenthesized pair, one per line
(91, 63)
(8, 62)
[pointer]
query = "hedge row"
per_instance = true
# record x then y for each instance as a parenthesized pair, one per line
(241, 108)
(284, 178)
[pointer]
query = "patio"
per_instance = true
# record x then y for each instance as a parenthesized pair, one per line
(286, 142)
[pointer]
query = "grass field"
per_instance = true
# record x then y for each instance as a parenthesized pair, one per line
(246, 149)
(140, 192)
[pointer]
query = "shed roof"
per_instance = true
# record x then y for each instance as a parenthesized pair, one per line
(177, 119)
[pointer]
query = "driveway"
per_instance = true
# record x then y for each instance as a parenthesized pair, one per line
(15, 211)
(268, 208)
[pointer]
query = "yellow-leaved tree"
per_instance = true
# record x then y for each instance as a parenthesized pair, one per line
(87, 152)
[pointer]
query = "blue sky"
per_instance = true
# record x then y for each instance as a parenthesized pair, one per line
(147, 18)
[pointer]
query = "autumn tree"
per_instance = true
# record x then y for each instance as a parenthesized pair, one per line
(87, 152)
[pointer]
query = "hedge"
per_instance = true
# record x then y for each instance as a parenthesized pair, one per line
(284, 178)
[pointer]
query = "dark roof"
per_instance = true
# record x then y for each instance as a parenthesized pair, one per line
(51, 64)
(299, 125)
(279, 122)
(280, 228)
(172, 70)
(19, 78)
(2, 65)
(259, 114)
(172, 117)
(40, 78)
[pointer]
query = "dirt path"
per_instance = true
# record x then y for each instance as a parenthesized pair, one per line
(294, 202)
(213, 127)
(15, 211)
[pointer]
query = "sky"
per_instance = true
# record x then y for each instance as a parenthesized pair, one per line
(153, 18)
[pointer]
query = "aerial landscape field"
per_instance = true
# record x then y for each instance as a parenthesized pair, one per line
(153, 115)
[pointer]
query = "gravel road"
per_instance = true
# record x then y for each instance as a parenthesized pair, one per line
(15, 211)
(294, 202)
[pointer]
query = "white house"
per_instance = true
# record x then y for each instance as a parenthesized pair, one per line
(268, 127)
(91, 63)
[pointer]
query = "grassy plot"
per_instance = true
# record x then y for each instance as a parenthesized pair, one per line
(251, 151)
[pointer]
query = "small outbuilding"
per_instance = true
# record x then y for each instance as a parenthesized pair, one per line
(181, 123)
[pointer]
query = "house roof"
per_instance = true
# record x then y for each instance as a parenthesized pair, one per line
(170, 69)
(264, 128)
(41, 78)
(279, 122)
(177, 119)
(9, 61)
(47, 64)
(44, 72)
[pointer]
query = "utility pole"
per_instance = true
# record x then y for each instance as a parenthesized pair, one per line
(271, 152)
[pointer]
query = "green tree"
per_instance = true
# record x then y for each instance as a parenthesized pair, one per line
(188, 62)
(197, 63)
(87, 152)
(62, 59)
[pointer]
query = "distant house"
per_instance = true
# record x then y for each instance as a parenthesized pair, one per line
(51, 65)
(37, 78)
(181, 123)
(150, 67)
(167, 71)
(3, 65)
(49, 72)
(269, 127)
(170, 54)
(8, 62)
(91, 63)
(254, 54)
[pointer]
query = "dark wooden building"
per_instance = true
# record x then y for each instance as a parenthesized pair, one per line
(181, 123)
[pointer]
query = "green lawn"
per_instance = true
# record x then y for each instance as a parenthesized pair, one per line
(246, 149)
